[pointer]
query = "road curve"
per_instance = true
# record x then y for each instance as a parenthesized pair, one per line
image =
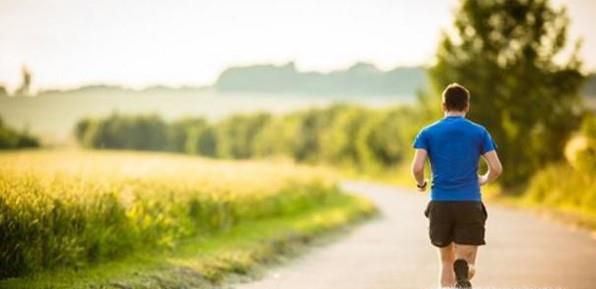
(393, 252)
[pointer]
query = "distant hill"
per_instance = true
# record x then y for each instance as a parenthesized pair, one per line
(361, 79)
(114, 89)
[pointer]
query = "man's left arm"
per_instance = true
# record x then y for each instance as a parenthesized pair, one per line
(418, 169)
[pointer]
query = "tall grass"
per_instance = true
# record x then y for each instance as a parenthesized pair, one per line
(565, 188)
(76, 208)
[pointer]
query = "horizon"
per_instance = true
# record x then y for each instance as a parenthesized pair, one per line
(114, 43)
(198, 86)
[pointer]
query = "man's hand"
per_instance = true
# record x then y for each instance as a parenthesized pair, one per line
(494, 168)
(482, 180)
(418, 169)
(422, 187)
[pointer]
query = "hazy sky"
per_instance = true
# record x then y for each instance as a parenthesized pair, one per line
(140, 42)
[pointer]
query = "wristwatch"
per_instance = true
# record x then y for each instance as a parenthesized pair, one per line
(421, 186)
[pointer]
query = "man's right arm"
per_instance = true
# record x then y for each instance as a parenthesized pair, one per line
(494, 167)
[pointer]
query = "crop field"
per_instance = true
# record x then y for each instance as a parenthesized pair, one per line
(70, 209)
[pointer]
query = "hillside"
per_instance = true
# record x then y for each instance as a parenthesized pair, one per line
(361, 79)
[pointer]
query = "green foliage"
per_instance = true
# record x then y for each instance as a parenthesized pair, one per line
(342, 135)
(11, 139)
(143, 132)
(236, 134)
(278, 137)
(191, 136)
(503, 52)
(586, 156)
(570, 187)
(563, 187)
(208, 261)
(338, 143)
(389, 135)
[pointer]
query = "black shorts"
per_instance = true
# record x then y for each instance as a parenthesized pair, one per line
(461, 222)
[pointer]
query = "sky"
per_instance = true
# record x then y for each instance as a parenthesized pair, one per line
(138, 43)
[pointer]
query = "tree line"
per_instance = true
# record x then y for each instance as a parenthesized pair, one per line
(341, 134)
(13, 139)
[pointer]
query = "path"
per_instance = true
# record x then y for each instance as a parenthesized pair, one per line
(393, 252)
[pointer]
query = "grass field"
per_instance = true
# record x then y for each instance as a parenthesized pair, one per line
(75, 211)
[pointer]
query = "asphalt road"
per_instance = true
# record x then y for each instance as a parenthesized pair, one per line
(393, 251)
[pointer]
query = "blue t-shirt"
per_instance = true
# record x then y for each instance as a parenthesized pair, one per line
(454, 145)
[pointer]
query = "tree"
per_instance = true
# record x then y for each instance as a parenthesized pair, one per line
(200, 138)
(236, 134)
(25, 87)
(504, 52)
(279, 137)
(12, 139)
(339, 143)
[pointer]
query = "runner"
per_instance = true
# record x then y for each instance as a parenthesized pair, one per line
(455, 212)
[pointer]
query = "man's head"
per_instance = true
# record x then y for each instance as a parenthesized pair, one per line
(456, 98)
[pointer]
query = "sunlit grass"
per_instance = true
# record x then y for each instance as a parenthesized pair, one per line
(75, 208)
(200, 262)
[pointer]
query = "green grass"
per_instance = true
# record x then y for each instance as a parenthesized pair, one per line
(74, 209)
(561, 191)
(203, 262)
(397, 175)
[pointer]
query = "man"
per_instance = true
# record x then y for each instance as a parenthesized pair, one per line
(456, 213)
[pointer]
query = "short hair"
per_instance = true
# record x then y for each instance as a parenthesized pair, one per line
(456, 97)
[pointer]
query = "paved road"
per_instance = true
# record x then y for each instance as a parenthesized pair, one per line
(393, 251)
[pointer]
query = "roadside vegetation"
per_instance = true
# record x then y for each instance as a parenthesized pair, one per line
(76, 210)
(12, 139)
(570, 186)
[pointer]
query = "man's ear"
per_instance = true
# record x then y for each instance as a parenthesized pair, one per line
(443, 107)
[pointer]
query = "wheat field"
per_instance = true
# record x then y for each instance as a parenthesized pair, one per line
(74, 208)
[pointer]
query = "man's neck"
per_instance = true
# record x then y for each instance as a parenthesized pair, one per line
(455, 113)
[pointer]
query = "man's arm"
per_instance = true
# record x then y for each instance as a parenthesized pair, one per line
(418, 167)
(494, 168)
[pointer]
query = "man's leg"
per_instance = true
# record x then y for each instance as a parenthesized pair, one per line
(446, 258)
(468, 253)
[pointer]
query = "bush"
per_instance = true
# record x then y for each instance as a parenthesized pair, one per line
(562, 186)
(11, 139)
(570, 185)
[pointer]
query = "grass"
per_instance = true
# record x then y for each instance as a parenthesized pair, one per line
(397, 175)
(204, 262)
(73, 210)
(561, 191)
